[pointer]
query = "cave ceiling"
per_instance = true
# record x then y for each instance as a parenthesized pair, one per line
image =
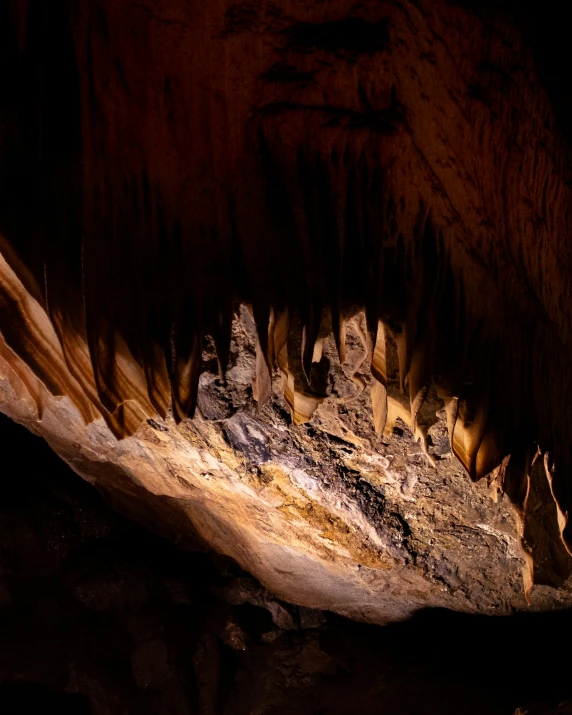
(244, 234)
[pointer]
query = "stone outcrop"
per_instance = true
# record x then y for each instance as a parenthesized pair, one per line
(327, 514)
(99, 616)
(386, 188)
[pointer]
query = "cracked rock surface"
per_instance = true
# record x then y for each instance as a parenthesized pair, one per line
(98, 616)
(325, 514)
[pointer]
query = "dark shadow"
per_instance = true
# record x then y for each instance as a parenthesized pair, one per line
(21, 698)
(91, 602)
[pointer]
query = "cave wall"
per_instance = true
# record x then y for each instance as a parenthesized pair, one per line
(325, 514)
(395, 164)
(99, 616)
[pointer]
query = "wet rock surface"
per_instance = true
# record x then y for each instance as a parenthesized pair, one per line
(100, 616)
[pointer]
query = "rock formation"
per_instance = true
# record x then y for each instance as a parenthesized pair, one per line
(99, 616)
(272, 272)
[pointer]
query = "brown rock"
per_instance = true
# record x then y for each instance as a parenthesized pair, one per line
(382, 182)
(325, 514)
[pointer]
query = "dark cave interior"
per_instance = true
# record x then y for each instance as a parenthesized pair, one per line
(98, 615)
(101, 616)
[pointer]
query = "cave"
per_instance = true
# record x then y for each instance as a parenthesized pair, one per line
(285, 338)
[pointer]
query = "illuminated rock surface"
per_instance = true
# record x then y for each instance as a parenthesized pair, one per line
(326, 513)
(99, 616)
(283, 279)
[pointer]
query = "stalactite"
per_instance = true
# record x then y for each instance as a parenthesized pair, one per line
(138, 233)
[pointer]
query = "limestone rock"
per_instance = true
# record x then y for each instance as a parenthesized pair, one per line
(326, 514)
(271, 272)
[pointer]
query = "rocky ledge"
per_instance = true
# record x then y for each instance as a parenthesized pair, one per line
(326, 514)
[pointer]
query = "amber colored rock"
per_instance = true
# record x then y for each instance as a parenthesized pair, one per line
(383, 184)
(326, 514)
(201, 637)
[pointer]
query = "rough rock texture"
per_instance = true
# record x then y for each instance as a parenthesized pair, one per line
(163, 160)
(325, 514)
(100, 617)
(382, 181)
